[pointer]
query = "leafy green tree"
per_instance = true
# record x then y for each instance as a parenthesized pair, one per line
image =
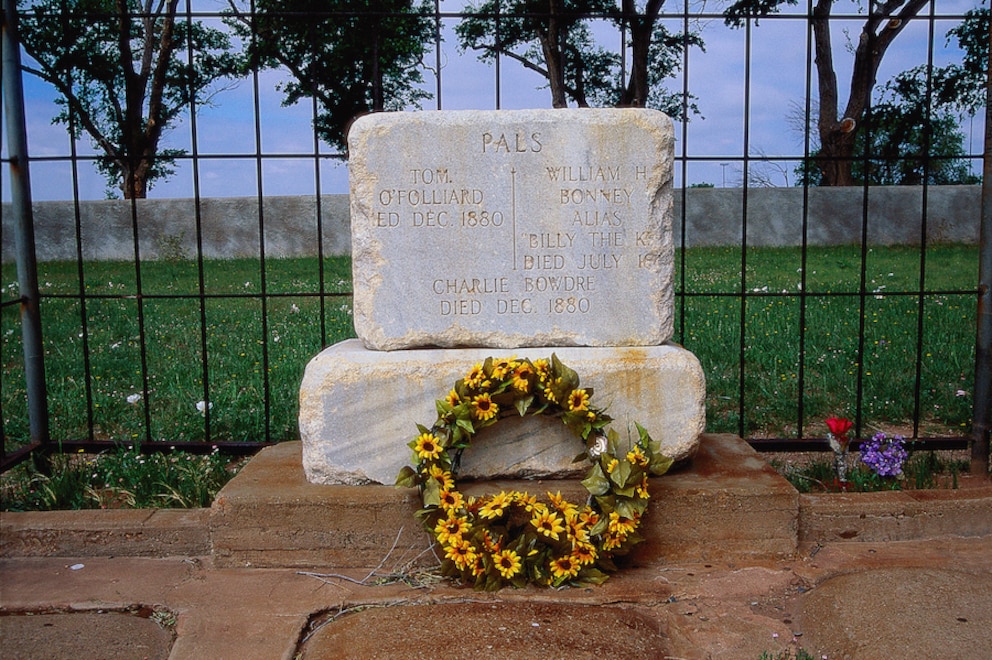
(352, 56)
(837, 128)
(125, 71)
(552, 37)
(961, 86)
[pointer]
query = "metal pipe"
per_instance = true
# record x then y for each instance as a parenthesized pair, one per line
(982, 416)
(20, 197)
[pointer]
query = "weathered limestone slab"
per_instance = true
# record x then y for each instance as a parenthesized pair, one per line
(359, 408)
(512, 228)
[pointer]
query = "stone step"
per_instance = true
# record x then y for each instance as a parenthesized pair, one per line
(727, 505)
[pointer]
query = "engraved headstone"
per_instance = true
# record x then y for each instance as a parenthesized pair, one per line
(512, 228)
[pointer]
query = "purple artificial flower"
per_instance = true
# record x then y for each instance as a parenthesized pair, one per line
(884, 455)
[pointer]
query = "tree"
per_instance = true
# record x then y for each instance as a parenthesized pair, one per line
(907, 140)
(962, 86)
(838, 129)
(552, 37)
(352, 57)
(125, 71)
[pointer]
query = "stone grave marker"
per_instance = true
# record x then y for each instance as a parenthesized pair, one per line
(512, 229)
(530, 232)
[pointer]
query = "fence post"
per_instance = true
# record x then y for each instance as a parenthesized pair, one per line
(20, 197)
(981, 421)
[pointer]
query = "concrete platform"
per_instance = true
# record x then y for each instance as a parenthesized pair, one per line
(728, 505)
(712, 581)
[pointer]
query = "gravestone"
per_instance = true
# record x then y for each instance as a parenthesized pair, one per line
(513, 229)
(529, 232)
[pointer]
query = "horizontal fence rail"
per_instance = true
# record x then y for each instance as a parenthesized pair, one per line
(172, 324)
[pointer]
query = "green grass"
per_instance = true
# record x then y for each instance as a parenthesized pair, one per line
(121, 478)
(831, 365)
(247, 364)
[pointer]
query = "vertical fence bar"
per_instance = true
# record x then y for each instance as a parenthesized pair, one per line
(20, 196)
(982, 418)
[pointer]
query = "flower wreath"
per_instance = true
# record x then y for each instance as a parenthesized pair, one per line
(511, 537)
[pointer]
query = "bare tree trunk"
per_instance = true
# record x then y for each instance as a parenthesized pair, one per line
(641, 29)
(551, 46)
(837, 133)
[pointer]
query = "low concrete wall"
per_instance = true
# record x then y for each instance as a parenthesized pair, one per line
(715, 216)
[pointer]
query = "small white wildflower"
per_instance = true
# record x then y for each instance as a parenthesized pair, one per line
(203, 407)
(960, 393)
(294, 308)
(247, 285)
(133, 398)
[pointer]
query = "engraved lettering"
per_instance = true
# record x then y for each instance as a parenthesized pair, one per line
(600, 261)
(514, 306)
(597, 218)
(552, 241)
(601, 239)
(559, 283)
(594, 195)
(387, 219)
(472, 285)
(544, 262)
(518, 142)
(428, 177)
(430, 218)
(461, 307)
(569, 173)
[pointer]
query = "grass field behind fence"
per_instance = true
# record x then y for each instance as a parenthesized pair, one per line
(249, 361)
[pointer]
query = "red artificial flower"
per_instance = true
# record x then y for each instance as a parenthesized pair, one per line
(839, 426)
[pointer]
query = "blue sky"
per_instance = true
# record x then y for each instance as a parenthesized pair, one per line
(226, 132)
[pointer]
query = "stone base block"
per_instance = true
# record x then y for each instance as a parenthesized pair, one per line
(102, 532)
(901, 515)
(727, 505)
(359, 408)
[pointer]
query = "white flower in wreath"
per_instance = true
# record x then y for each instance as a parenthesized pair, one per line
(598, 447)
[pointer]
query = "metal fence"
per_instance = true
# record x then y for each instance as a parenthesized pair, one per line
(147, 356)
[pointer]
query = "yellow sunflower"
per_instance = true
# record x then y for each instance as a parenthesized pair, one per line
(443, 477)
(578, 400)
(453, 399)
(451, 499)
(547, 523)
(483, 407)
(462, 553)
(566, 508)
(521, 377)
(475, 377)
(493, 508)
(502, 367)
(584, 553)
(450, 529)
(566, 566)
(637, 457)
(428, 446)
(508, 563)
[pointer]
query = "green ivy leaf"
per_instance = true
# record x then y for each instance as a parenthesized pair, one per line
(432, 493)
(621, 474)
(660, 464)
(523, 404)
(407, 478)
(596, 483)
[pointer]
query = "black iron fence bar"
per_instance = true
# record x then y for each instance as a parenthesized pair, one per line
(747, 159)
(982, 416)
(938, 443)
(27, 268)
